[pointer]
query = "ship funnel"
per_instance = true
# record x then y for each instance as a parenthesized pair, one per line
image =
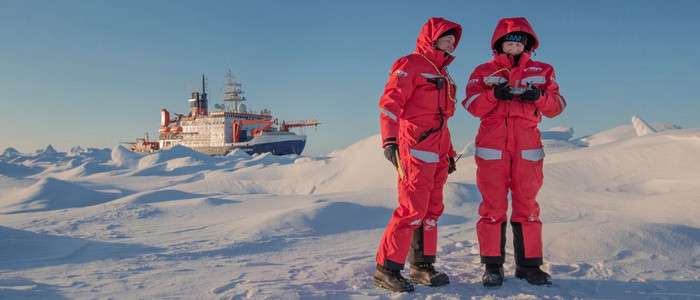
(194, 97)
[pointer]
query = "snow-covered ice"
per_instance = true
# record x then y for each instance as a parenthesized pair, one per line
(621, 213)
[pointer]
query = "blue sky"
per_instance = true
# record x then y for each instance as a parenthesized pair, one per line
(94, 73)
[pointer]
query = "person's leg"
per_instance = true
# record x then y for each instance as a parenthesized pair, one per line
(424, 242)
(414, 194)
(525, 219)
(493, 181)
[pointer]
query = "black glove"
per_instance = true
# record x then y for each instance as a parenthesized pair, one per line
(390, 151)
(453, 166)
(502, 92)
(532, 94)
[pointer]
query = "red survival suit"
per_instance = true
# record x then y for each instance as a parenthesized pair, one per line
(411, 106)
(509, 151)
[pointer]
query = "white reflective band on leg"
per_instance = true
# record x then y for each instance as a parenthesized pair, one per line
(533, 155)
(471, 99)
(388, 113)
(426, 156)
(562, 102)
(534, 80)
(488, 154)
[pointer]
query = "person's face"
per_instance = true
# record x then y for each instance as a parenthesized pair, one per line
(513, 48)
(446, 43)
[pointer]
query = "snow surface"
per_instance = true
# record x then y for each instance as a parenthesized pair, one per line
(621, 215)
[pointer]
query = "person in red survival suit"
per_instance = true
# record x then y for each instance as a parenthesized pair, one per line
(415, 106)
(510, 93)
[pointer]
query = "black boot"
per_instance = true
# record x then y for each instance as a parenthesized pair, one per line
(493, 276)
(391, 280)
(533, 275)
(424, 273)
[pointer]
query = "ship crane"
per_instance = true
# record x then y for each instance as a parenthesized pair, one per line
(286, 125)
(255, 132)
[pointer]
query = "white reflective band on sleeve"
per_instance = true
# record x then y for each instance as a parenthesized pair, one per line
(494, 80)
(534, 80)
(430, 76)
(426, 156)
(471, 99)
(562, 102)
(533, 155)
(488, 154)
(388, 113)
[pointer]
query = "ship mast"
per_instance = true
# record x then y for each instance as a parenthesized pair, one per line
(233, 92)
(200, 104)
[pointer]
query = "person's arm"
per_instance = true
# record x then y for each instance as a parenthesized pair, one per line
(550, 103)
(396, 91)
(480, 97)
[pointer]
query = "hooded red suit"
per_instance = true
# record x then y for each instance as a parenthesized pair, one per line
(411, 106)
(509, 151)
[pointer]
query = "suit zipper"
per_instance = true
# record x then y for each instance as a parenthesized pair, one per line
(508, 114)
(508, 134)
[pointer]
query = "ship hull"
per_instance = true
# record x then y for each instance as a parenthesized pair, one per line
(275, 143)
(276, 148)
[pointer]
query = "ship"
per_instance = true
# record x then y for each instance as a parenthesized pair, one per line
(228, 127)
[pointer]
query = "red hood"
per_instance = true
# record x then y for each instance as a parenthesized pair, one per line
(509, 25)
(430, 33)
